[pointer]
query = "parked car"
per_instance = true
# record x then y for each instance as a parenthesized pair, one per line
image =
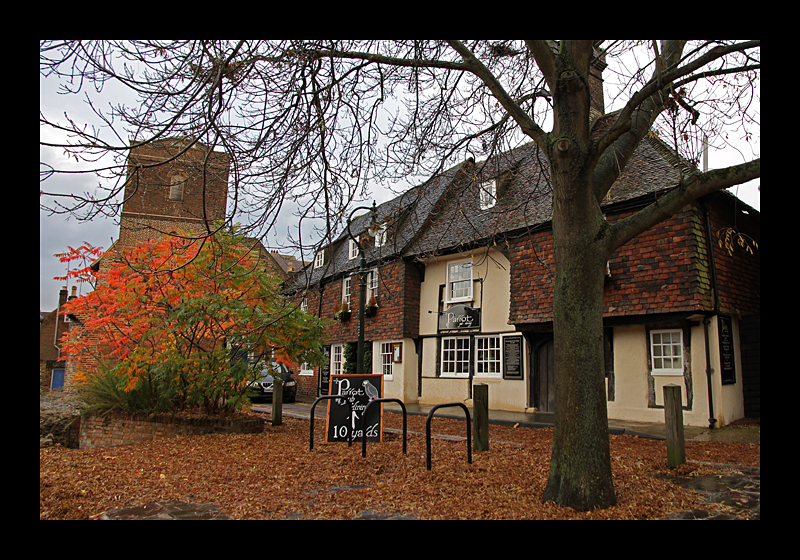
(261, 389)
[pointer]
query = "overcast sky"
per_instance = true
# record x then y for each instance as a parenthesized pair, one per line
(57, 232)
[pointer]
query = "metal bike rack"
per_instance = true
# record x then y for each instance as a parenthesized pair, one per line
(364, 423)
(469, 429)
(311, 427)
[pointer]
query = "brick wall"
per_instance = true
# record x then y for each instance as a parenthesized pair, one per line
(398, 306)
(116, 429)
(663, 270)
(738, 273)
(152, 172)
(397, 316)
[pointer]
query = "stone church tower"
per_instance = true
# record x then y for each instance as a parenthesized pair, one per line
(172, 187)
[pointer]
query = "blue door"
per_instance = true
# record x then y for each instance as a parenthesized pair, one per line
(57, 381)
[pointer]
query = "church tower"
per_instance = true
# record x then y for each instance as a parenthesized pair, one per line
(172, 187)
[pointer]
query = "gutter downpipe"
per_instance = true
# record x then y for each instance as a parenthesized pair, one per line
(712, 421)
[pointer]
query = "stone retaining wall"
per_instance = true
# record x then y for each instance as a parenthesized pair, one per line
(117, 429)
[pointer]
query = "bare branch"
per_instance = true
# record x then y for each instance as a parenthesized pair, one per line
(692, 188)
(521, 117)
(542, 52)
(644, 106)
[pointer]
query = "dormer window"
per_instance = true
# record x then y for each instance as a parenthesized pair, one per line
(381, 236)
(352, 252)
(319, 259)
(488, 194)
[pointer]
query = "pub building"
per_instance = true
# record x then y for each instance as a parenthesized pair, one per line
(461, 283)
(460, 278)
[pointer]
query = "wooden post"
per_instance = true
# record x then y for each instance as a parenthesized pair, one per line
(673, 416)
(277, 399)
(480, 403)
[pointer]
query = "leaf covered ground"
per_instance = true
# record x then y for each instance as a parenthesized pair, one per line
(274, 475)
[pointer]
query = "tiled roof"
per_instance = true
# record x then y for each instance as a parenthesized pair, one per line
(444, 215)
(525, 194)
(404, 217)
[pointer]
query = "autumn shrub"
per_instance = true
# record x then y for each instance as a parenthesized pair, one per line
(168, 316)
(104, 391)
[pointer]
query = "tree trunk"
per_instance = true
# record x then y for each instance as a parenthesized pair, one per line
(580, 466)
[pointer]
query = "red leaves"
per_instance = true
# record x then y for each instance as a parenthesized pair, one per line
(86, 254)
(171, 305)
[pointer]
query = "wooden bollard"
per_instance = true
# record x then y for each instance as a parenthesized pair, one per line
(673, 416)
(480, 430)
(277, 399)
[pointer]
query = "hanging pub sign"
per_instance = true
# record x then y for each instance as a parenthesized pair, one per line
(459, 317)
(359, 389)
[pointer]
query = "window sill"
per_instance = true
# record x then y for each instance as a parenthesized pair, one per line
(460, 300)
(666, 373)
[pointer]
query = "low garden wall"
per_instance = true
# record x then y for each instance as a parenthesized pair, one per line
(117, 429)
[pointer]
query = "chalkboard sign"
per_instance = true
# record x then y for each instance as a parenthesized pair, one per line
(359, 390)
(512, 357)
(727, 364)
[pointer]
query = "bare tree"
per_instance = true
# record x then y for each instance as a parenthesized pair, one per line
(313, 123)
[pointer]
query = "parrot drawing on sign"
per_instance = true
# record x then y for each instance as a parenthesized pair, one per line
(370, 389)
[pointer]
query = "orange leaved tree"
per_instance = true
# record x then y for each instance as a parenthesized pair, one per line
(169, 319)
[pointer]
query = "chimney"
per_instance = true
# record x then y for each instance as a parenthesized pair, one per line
(74, 295)
(62, 296)
(596, 68)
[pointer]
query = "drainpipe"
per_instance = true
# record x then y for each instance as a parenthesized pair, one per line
(62, 299)
(319, 314)
(712, 421)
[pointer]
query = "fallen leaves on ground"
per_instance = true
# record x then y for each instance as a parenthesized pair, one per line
(273, 475)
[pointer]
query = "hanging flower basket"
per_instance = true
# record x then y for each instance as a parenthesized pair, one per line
(372, 307)
(343, 314)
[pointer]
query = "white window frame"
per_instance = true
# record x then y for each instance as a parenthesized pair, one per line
(455, 357)
(346, 289)
(304, 305)
(337, 359)
(386, 360)
(449, 298)
(305, 369)
(319, 259)
(671, 350)
(488, 356)
(488, 194)
(372, 284)
(352, 250)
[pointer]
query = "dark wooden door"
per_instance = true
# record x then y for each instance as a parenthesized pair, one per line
(543, 377)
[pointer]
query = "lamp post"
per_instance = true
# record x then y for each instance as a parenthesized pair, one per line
(362, 281)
